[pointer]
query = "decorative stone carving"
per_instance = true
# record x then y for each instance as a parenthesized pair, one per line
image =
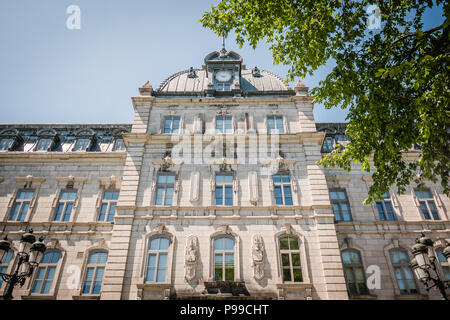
(190, 259)
(258, 257)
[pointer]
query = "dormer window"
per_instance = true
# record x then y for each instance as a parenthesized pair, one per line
(119, 145)
(10, 139)
(43, 145)
(328, 144)
(5, 144)
(82, 145)
(223, 87)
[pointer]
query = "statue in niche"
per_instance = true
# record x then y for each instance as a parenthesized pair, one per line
(258, 257)
(190, 259)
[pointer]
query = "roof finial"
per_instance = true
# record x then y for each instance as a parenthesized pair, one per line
(223, 51)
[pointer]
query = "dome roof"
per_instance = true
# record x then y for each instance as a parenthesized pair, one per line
(251, 82)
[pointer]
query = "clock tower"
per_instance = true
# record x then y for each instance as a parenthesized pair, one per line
(223, 71)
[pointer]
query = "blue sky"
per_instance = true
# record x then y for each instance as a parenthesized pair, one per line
(50, 74)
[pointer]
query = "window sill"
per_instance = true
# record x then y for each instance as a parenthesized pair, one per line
(39, 297)
(363, 297)
(415, 296)
(154, 285)
(86, 297)
(294, 285)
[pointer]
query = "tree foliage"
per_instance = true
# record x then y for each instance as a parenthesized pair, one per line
(393, 81)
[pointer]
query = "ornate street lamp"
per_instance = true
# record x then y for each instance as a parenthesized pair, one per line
(30, 255)
(424, 264)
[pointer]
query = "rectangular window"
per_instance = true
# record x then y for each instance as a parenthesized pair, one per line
(328, 144)
(65, 205)
(119, 145)
(171, 124)
(224, 124)
(108, 207)
(224, 189)
(275, 124)
(81, 145)
(21, 205)
(5, 144)
(385, 210)
(164, 189)
(427, 205)
(282, 189)
(223, 86)
(43, 145)
(157, 260)
(341, 206)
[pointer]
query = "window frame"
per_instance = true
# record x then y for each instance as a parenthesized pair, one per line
(401, 266)
(224, 187)
(275, 130)
(327, 150)
(288, 230)
(443, 265)
(55, 280)
(225, 231)
(74, 205)
(165, 186)
(108, 205)
(49, 146)
(282, 185)
(8, 266)
(290, 252)
(382, 203)
(9, 145)
(172, 116)
(88, 145)
(338, 202)
(22, 201)
(116, 142)
(168, 266)
(87, 265)
(223, 253)
(353, 266)
(224, 117)
(426, 202)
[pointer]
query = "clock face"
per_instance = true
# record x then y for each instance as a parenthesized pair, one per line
(223, 75)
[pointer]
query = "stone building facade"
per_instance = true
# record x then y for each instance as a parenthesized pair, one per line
(213, 192)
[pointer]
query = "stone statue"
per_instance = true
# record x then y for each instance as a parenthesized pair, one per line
(258, 257)
(190, 259)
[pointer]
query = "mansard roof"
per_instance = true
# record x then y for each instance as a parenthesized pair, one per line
(194, 82)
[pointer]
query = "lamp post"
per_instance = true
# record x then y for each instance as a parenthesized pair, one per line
(30, 255)
(424, 265)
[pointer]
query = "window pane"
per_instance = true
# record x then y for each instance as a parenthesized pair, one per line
(276, 178)
(433, 209)
(284, 244)
(359, 274)
(337, 212)
(286, 274)
(229, 260)
(381, 212)
(278, 195)
(169, 196)
(161, 275)
(229, 274)
(219, 196)
(218, 257)
(162, 261)
(25, 194)
(164, 244)
(154, 244)
(285, 260)
(14, 211)
(112, 211)
(390, 211)
(67, 212)
(159, 195)
(103, 208)
(68, 195)
(349, 274)
(293, 242)
(346, 212)
(228, 196)
(23, 211)
(298, 275)
(285, 178)
(280, 125)
(152, 260)
(219, 244)
(218, 272)
(296, 260)
(424, 209)
(229, 244)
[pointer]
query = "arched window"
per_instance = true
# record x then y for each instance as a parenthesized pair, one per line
(224, 259)
(403, 273)
(158, 252)
(290, 259)
(4, 264)
(46, 272)
(354, 272)
(95, 270)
